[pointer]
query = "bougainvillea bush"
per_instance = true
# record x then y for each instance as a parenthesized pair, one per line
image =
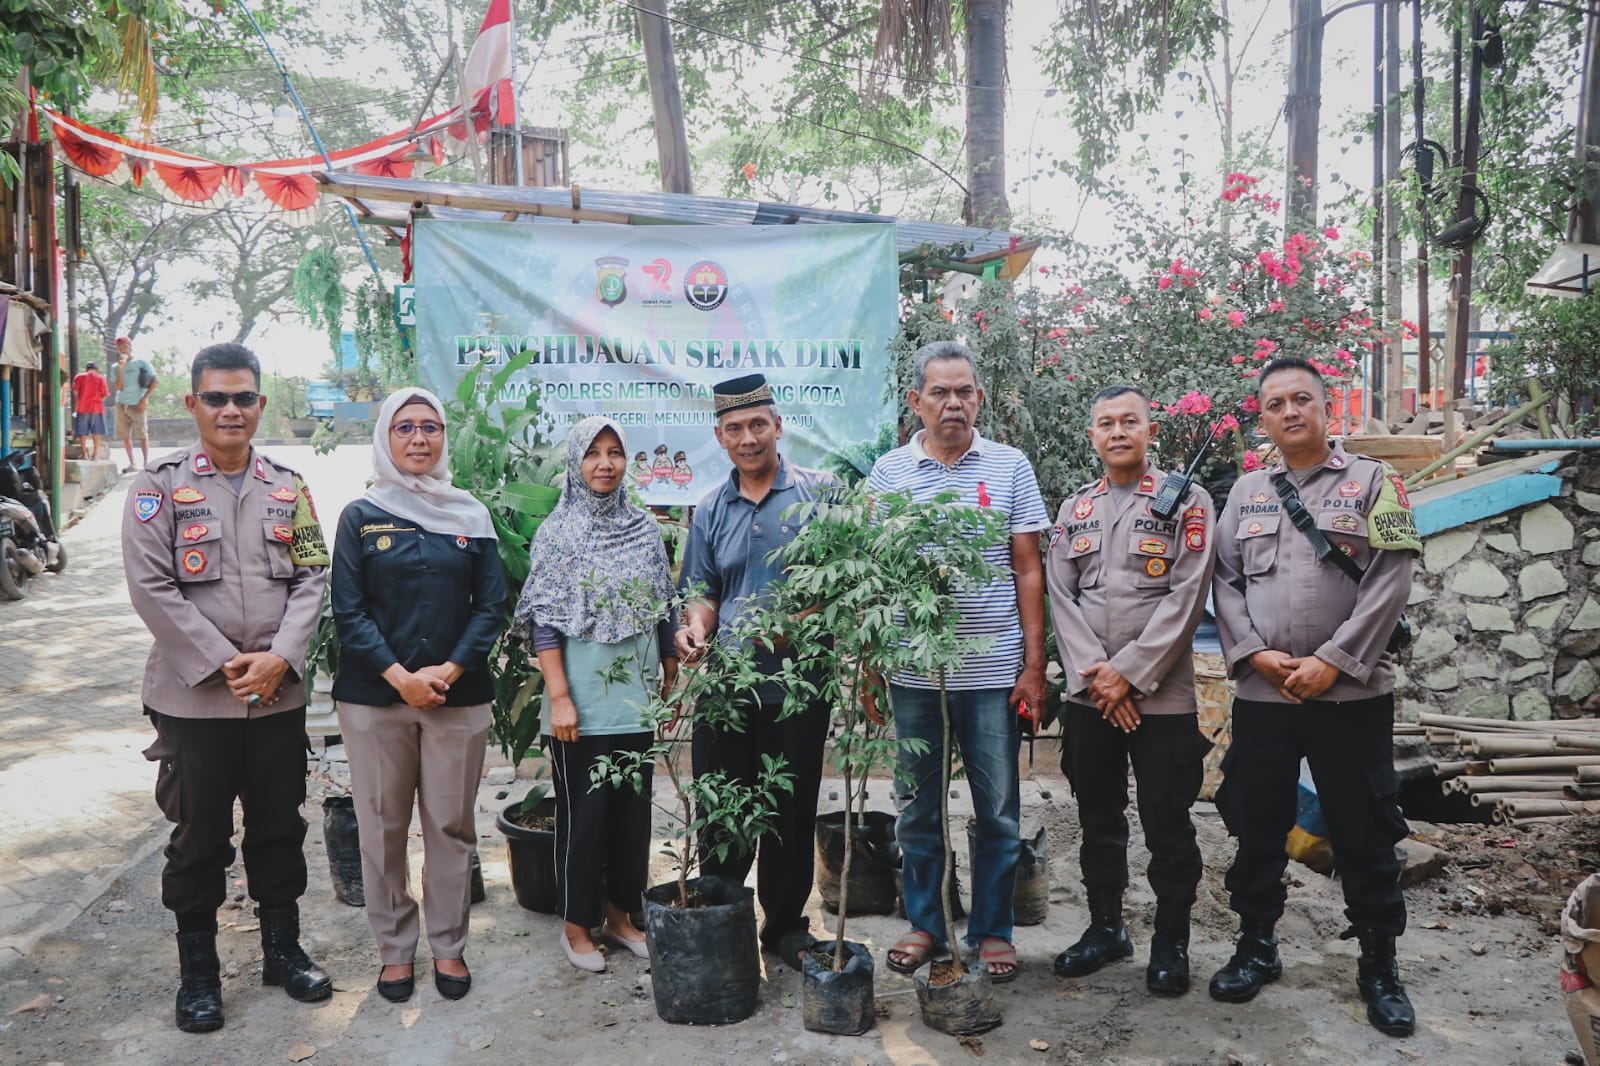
(1186, 307)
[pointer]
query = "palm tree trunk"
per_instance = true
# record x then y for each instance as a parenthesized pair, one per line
(986, 113)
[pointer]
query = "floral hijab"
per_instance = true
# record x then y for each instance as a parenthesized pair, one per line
(586, 550)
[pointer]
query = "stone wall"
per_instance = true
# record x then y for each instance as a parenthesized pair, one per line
(1507, 611)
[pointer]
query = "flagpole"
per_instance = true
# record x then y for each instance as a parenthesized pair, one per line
(516, 107)
(327, 162)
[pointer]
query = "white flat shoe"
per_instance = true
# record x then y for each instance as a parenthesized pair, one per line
(590, 961)
(641, 947)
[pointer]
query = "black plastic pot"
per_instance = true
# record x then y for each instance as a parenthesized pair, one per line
(837, 1001)
(705, 964)
(342, 838)
(874, 862)
(1031, 900)
(963, 1007)
(532, 857)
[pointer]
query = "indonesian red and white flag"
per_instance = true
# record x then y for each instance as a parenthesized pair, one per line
(486, 93)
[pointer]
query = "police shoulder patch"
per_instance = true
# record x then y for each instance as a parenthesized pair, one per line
(147, 504)
(1390, 525)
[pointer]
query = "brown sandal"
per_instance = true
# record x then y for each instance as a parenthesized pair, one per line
(916, 946)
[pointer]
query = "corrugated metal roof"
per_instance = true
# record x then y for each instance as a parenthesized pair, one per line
(645, 208)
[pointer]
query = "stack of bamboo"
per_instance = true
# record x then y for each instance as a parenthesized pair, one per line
(1526, 771)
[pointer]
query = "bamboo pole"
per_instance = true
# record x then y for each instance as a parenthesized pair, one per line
(1489, 799)
(1499, 744)
(1581, 792)
(1459, 766)
(1538, 399)
(1541, 763)
(1462, 724)
(1587, 774)
(1512, 783)
(1525, 808)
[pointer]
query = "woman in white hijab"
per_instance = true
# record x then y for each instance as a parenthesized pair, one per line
(419, 598)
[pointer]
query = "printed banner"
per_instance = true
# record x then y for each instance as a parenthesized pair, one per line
(639, 322)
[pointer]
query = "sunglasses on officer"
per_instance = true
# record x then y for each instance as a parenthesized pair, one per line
(241, 400)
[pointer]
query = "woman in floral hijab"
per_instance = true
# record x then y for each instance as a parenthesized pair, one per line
(595, 559)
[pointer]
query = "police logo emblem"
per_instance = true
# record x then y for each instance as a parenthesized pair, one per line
(284, 494)
(1346, 548)
(384, 543)
(284, 533)
(611, 286)
(1151, 546)
(146, 503)
(1400, 490)
(188, 495)
(1056, 535)
(1253, 528)
(194, 561)
(1346, 523)
(1349, 489)
(462, 543)
(196, 531)
(1195, 540)
(1083, 510)
(1081, 545)
(705, 285)
(1155, 567)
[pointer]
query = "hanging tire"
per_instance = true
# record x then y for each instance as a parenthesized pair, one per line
(61, 559)
(13, 576)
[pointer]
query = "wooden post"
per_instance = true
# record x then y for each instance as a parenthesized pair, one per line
(1452, 324)
(666, 98)
(1424, 342)
(1394, 373)
(1302, 111)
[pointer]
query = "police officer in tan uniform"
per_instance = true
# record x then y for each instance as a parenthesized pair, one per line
(1127, 589)
(226, 565)
(1307, 643)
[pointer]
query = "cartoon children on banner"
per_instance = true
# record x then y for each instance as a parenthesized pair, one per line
(681, 474)
(640, 471)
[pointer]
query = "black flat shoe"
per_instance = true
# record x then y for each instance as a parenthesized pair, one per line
(397, 991)
(452, 987)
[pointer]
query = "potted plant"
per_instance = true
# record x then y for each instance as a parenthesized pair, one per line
(868, 591)
(705, 964)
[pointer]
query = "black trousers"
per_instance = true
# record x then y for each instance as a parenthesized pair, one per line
(1350, 748)
(205, 764)
(1168, 753)
(602, 834)
(787, 859)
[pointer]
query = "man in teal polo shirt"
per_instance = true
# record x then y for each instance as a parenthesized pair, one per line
(735, 530)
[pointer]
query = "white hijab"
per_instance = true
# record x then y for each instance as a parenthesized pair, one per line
(430, 500)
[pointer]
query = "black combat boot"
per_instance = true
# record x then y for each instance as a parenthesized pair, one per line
(1106, 939)
(1378, 978)
(1255, 962)
(283, 962)
(199, 983)
(1168, 971)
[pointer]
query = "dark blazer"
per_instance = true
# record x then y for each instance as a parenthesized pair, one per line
(404, 595)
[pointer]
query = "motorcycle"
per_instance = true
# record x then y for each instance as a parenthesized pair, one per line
(28, 542)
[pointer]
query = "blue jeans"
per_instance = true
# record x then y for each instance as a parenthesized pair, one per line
(984, 730)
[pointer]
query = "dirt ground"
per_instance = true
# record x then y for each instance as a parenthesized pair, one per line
(1480, 962)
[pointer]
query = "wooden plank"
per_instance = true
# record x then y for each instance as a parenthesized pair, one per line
(1476, 502)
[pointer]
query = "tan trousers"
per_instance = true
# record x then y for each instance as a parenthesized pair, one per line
(398, 752)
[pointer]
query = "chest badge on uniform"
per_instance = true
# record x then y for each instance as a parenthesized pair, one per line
(1260, 497)
(283, 533)
(463, 543)
(1081, 545)
(194, 561)
(1155, 567)
(1152, 546)
(196, 531)
(1346, 523)
(1253, 528)
(1056, 535)
(384, 543)
(1349, 489)
(187, 495)
(146, 503)
(1194, 539)
(284, 494)
(1347, 548)
(1083, 510)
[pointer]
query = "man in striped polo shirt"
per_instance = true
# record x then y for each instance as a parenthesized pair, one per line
(949, 454)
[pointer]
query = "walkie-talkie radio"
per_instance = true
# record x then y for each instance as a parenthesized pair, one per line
(1174, 485)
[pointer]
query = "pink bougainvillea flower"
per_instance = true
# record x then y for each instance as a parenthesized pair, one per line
(1236, 359)
(1165, 282)
(1229, 423)
(1275, 305)
(1251, 462)
(1057, 332)
(1264, 344)
(1331, 233)
(1206, 315)
(1250, 405)
(1236, 319)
